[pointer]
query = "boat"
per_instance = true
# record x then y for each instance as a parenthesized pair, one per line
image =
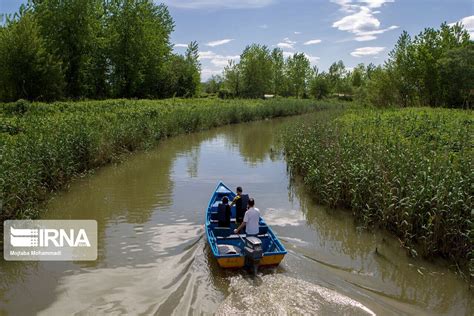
(236, 250)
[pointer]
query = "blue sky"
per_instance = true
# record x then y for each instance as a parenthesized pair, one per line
(354, 31)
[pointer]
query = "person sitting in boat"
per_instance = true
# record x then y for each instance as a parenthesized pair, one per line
(240, 201)
(223, 213)
(251, 220)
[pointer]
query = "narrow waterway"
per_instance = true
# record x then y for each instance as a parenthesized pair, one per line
(154, 259)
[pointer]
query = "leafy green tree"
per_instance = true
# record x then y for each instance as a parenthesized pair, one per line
(414, 65)
(298, 70)
(380, 88)
(278, 72)
(337, 72)
(401, 64)
(232, 79)
(256, 69)
(70, 29)
(214, 84)
(319, 85)
(457, 76)
(27, 70)
(368, 71)
(358, 76)
(139, 46)
(193, 70)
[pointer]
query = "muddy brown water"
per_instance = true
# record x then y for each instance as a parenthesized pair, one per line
(154, 259)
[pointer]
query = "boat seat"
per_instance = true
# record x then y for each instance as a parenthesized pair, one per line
(214, 215)
(215, 221)
(222, 231)
(237, 236)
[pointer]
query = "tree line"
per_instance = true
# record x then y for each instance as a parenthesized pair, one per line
(96, 49)
(74, 49)
(435, 68)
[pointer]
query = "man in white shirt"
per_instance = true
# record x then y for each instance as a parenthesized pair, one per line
(251, 220)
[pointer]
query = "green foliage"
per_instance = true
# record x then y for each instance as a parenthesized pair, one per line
(183, 74)
(456, 68)
(380, 89)
(262, 72)
(409, 171)
(298, 70)
(278, 78)
(319, 85)
(213, 85)
(256, 69)
(71, 32)
(44, 145)
(233, 79)
(27, 70)
(418, 67)
(94, 49)
(138, 47)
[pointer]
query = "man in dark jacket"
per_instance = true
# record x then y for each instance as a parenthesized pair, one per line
(240, 201)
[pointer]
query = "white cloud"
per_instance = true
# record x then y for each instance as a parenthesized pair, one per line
(287, 54)
(358, 22)
(207, 55)
(222, 61)
(468, 23)
(287, 40)
(180, 45)
(263, 26)
(213, 64)
(218, 4)
(362, 22)
(375, 3)
(367, 51)
(351, 6)
(285, 45)
(312, 59)
(216, 59)
(346, 6)
(297, 33)
(207, 73)
(219, 42)
(370, 35)
(312, 42)
(365, 38)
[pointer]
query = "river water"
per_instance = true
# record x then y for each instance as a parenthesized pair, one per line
(154, 259)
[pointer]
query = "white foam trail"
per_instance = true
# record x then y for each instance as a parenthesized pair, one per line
(282, 295)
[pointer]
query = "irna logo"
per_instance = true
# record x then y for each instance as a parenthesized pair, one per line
(50, 240)
(40, 237)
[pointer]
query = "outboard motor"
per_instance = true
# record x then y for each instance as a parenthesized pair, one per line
(253, 252)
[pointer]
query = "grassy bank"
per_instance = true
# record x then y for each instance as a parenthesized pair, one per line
(43, 146)
(409, 171)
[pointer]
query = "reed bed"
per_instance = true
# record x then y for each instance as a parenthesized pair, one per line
(409, 171)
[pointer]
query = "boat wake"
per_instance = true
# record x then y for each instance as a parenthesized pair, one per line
(280, 294)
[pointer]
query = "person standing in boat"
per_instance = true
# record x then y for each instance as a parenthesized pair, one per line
(223, 213)
(251, 220)
(240, 201)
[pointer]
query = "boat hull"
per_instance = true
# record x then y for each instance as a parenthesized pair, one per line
(239, 262)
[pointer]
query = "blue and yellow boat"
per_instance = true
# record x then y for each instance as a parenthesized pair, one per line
(234, 250)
